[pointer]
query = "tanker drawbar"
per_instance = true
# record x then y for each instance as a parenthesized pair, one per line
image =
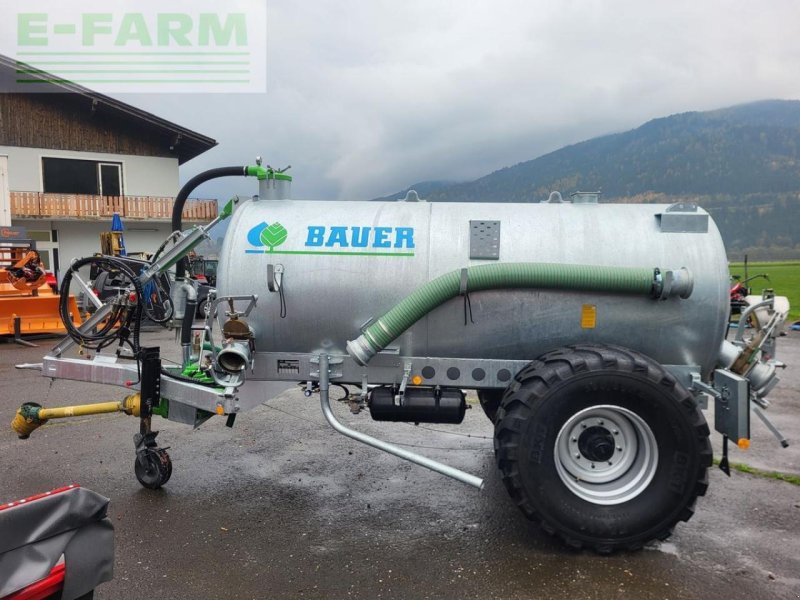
(592, 334)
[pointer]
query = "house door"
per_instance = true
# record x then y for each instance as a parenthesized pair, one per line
(110, 177)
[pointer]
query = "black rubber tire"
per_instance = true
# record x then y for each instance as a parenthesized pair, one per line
(157, 470)
(553, 388)
(201, 309)
(490, 402)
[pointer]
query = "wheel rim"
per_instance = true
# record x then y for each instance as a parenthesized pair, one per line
(149, 472)
(155, 471)
(606, 454)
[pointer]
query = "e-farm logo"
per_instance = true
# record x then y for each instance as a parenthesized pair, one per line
(165, 46)
(334, 241)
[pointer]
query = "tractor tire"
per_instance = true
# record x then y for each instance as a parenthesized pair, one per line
(202, 309)
(602, 446)
(490, 402)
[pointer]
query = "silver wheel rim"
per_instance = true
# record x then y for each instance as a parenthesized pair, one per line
(599, 474)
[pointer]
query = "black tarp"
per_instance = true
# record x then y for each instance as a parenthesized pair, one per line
(35, 534)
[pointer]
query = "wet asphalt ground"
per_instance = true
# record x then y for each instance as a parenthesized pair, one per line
(281, 506)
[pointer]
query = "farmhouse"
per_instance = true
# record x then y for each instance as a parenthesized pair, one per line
(70, 158)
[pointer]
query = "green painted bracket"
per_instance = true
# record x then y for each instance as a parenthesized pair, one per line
(227, 210)
(256, 171)
(162, 410)
(266, 173)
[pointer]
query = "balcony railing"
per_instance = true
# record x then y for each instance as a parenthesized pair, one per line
(86, 207)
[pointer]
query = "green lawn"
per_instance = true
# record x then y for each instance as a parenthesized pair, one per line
(784, 278)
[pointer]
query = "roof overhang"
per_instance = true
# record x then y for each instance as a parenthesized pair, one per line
(184, 143)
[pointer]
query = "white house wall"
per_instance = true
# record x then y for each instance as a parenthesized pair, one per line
(141, 175)
(5, 200)
(78, 239)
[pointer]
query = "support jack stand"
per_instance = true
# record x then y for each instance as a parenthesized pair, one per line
(724, 464)
(153, 466)
(18, 339)
(774, 430)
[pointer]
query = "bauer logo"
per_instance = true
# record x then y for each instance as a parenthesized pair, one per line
(353, 240)
(268, 236)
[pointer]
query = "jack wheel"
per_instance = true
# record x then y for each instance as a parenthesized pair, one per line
(156, 470)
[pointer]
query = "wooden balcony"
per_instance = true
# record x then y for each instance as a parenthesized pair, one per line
(39, 205)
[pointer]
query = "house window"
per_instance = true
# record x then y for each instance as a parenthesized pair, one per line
(41, 236)
(74, 176)
(110, 179)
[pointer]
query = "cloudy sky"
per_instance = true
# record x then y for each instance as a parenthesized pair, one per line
(366, 97)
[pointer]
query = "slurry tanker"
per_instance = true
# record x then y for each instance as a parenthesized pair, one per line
(593, 333)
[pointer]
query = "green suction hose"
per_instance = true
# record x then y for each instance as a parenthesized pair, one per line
(543, 276)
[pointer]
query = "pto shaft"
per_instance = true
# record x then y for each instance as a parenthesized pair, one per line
(30, 415)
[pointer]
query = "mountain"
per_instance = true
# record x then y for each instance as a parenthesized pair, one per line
(423, 188)
(742, 164)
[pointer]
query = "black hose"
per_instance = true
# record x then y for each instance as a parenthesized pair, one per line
(188, 321)
(183, 194)
(122, 321)
(163, 246)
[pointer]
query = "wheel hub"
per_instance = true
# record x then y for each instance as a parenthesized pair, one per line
(596, 443)
(606, 454)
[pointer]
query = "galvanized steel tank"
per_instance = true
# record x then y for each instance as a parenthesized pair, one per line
(344, 263)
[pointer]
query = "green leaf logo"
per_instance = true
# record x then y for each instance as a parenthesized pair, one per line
(273, 236)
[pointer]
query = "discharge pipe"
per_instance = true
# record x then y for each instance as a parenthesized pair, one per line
(543, 276)
(234, 357)
(428, 463)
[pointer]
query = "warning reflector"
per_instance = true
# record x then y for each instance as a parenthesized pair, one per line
(588, 316)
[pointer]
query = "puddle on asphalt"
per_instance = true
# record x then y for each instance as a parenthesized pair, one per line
(665, 547)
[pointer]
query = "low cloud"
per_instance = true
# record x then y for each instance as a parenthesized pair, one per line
(365, 98)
